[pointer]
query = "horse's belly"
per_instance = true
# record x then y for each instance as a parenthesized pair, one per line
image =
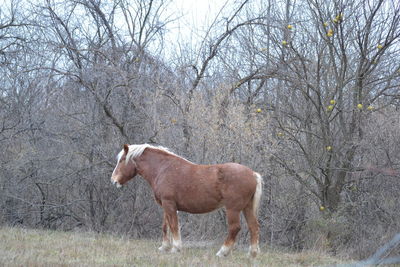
(198, 205)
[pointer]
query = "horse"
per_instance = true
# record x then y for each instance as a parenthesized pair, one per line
(180, 185)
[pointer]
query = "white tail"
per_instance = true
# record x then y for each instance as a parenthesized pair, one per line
(258, 193)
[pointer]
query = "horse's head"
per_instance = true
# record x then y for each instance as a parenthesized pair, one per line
(125, 169)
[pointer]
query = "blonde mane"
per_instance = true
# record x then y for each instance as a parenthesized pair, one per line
(137, 150)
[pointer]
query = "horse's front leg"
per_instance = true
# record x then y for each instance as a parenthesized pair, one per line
(171, 215)
(166, 243)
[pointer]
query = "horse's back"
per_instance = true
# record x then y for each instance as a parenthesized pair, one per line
(237, 173)
(237, 177)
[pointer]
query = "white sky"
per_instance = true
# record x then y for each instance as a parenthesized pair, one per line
(194, 17)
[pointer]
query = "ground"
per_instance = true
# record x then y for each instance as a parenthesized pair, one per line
(27, 247)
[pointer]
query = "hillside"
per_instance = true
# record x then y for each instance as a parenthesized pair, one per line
(25, 247)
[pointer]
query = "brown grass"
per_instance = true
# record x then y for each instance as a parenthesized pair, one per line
(22, 247)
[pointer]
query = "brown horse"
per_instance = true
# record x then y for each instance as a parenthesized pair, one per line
(180, 185)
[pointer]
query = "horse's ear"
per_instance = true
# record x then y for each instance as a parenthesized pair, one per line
(126, 149)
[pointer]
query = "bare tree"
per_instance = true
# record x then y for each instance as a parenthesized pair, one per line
(304, 92)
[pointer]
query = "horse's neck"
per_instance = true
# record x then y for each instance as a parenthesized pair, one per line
(151, 163)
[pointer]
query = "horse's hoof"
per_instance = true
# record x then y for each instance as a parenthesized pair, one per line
(219, 254)
(253, 251)
(253, 254)
(164, 248)
(223, 252)
(175, 250)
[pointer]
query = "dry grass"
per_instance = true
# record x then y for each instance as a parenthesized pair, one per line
(22, 247)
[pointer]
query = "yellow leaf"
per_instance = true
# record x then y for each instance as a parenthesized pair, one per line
(338, 18)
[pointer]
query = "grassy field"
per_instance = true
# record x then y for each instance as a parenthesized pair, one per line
(22, 247)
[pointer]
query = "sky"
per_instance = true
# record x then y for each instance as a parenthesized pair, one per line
(194, 17)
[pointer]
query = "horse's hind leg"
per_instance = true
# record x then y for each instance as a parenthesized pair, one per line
(166, 243)
(253, 225)
(233, 217)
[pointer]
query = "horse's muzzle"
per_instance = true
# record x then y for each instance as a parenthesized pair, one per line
(118, 185)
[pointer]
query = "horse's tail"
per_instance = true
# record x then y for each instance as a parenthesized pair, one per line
(258, 193)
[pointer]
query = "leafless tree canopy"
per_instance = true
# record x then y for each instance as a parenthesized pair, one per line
(305, 92)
